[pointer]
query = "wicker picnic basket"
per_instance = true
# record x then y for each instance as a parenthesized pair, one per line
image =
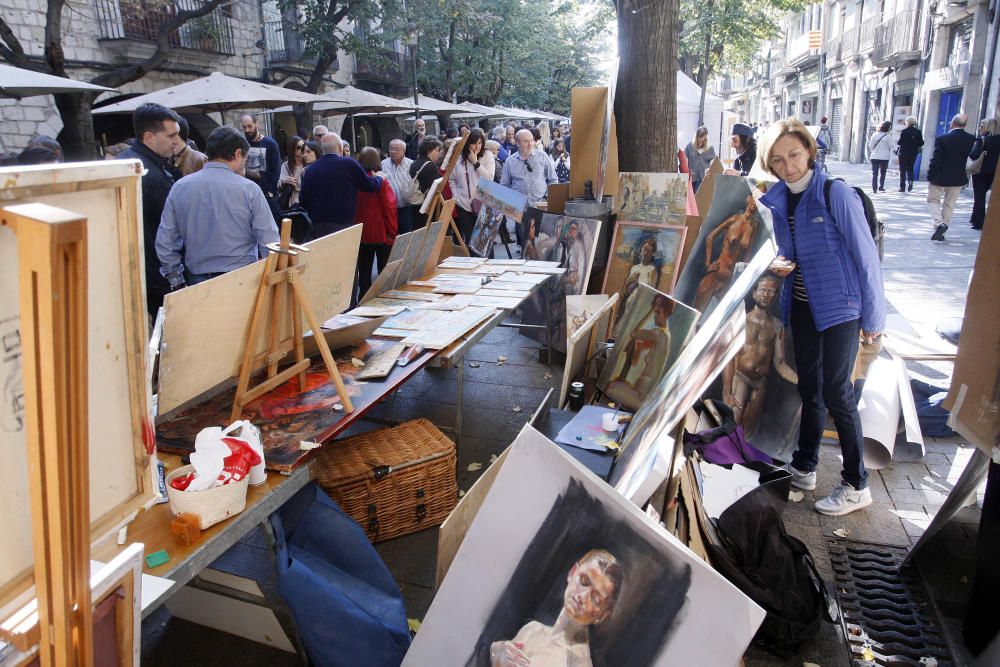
(392, 481)
(211, 505)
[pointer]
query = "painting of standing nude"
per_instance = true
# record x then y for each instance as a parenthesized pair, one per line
(556, 568)
(649, 338)
(761, 378)
(733, 231)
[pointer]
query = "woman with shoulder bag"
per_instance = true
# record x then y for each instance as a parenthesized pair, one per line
(832, 294)
(476, 162)
(987, 147)
(379, 222)
(878, 153)
(424, 171)
(290, 178)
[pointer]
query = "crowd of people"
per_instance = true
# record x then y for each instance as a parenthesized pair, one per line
(244, 184)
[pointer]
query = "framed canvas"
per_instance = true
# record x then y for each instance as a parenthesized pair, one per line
(643, 254)
(508, 202)
(735, 228)
(567, 572)
(569, 243)
(648, 340)
(650, 197)
(485, 232)
(581, 345)
(120, 434)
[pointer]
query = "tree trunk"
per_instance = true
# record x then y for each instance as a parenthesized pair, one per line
(703, 72)
(646, 99)
(77, 137)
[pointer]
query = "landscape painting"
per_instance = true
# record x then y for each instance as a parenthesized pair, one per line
(655, 198)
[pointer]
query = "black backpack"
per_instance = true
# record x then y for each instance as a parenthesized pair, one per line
(875, 226)
(770, 566)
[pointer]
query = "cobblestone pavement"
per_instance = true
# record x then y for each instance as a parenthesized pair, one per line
(925, 282)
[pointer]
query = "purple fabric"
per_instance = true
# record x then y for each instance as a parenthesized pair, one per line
(732, 448)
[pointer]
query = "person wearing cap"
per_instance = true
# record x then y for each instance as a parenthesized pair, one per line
(745, 146)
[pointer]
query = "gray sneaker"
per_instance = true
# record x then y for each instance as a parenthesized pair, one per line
(844, 499)
(802, 480)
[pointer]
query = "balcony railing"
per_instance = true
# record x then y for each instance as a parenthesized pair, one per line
(867, 41)
(832, 51)
(140, 20)
(388, 68)
(849, 43)
(898, 38)
(285, 43)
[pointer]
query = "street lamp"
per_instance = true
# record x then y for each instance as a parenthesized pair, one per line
(411, 41)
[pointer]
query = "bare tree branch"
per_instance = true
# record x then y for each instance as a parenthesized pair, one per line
(11, 49)
(129, 73)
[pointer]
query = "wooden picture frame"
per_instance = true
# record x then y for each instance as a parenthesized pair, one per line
(625, 259)
(120, 431)
(583, 343)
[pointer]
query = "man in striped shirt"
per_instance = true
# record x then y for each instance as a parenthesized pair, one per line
(396, 168)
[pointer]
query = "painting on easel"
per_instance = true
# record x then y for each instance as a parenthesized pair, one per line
(285, 415)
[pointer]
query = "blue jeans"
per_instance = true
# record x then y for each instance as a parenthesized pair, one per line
(404, 219)
(825, 361)
(195, 278)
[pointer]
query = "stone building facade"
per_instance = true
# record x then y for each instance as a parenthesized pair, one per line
(251, 39)
(860, 63)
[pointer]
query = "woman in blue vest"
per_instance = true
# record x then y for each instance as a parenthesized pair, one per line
(832, 294)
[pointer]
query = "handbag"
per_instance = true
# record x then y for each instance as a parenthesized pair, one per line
(285, 196)
(477, 205)
(975, 166)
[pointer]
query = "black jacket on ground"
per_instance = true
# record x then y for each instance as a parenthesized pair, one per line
(910, 142)
(156, 183)
(990, 144)
(951, 150)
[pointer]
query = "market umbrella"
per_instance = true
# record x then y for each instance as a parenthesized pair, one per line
(437, 106)
(216, 92)
(17, 83)
(351, 100)
(479, 111)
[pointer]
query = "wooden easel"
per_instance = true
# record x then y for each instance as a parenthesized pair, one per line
(52, 272)
(282, 276)
(439, 208)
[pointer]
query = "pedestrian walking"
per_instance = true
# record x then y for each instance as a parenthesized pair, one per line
(832, 295)
(878, 154)
(987, 147)
(946, 174)
(908, 146)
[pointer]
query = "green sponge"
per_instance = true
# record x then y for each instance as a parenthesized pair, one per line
(157, 558)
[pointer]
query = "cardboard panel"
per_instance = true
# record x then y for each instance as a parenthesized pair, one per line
(206, 324)
(589, 106)
(108, 194)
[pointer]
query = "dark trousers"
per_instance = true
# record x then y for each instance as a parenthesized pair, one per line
(906, 175)
(368, 253)
(466, 221)
(419, 219)
(404, 219)
(825, 360)
(878, 174)
(981, 184)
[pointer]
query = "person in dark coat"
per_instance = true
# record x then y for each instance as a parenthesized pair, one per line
(909, 144)
(946, 175)
(745, 145)
(157, 139)
(330, 188)
(987, 146)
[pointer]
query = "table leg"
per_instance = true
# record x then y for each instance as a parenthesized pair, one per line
(459, 399)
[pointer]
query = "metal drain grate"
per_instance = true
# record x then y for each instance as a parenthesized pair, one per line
(887, 617)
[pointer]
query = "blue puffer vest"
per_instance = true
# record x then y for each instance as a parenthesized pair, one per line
(836, 254)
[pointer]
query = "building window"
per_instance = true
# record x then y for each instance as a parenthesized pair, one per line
(959, 42)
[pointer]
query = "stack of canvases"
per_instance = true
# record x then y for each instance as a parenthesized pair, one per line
(566, 569)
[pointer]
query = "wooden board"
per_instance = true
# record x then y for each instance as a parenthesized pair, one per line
(287, 416)
(108, 195)
(430, 249)
(205, 325)
(453, 530)
(589, 107)
(386, 280)
(580, 346)
(380, 365)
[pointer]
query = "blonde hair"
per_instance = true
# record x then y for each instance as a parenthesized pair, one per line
(911, 121)
(991, 125)
(782, 128)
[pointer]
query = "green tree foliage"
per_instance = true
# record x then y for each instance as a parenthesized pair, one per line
(525, 53)
(719, 35)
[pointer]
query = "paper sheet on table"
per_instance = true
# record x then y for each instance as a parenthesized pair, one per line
(584, 430)
(724, 487)
(152, 587)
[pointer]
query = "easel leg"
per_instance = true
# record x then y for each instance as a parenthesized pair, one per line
(331, 365)
(251, 339)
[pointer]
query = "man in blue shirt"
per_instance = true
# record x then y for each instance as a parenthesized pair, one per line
(263, 161)
(528, 171)
(217, 217)
(330, 188)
